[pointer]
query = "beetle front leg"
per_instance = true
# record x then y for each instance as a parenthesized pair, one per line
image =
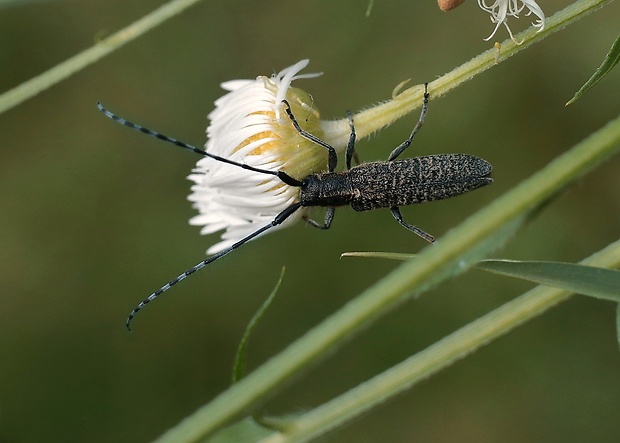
(329, 216)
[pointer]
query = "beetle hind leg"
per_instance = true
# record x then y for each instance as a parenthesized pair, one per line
(399, 218)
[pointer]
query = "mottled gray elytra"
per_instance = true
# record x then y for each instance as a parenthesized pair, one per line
(367, 186)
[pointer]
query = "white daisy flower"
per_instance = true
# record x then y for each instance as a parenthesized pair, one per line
(249, 125)
(500, 10)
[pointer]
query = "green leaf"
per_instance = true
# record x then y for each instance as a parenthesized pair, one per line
(611, 59)
(240, 364)
(387, 255)
(587, 280)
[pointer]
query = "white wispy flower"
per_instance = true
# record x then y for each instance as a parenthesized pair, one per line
(500, 10)
(249, 125)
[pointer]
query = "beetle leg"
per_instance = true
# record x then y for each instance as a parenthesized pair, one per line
(404, 145)
(329, 216)
(399, 218)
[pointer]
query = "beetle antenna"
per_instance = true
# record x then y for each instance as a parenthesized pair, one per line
(279, 219)
(280, 174)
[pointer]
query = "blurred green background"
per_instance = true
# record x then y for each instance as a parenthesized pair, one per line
(94, 217)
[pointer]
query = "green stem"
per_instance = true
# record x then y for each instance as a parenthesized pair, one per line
(440, 355)
(78, 62)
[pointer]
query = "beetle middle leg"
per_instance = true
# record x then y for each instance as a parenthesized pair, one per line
(399, 218)
(404, 145)
(329, 217)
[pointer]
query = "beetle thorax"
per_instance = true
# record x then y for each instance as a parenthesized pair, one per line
(328, 189)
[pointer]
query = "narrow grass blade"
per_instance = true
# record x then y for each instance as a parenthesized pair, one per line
(240, 364)
(587, 280)
(611, 59)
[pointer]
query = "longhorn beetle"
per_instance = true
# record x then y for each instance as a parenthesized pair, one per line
(382, 184)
